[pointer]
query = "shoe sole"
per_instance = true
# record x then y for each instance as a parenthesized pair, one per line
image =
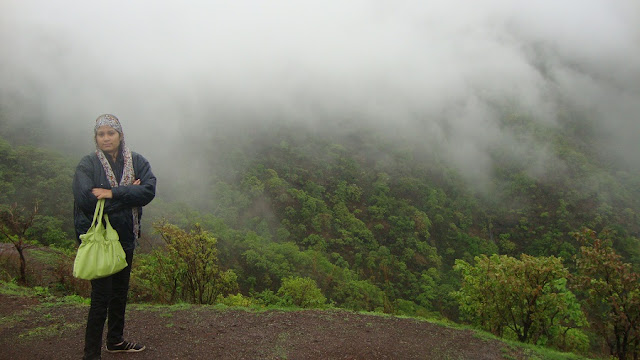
(130, 350)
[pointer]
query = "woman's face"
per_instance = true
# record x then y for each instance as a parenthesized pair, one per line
(108, 139)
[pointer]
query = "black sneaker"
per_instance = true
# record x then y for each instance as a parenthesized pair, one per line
(125, 346)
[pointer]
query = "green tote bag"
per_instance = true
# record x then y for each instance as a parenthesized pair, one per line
(100, 254)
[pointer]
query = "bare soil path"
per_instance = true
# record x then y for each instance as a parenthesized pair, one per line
(34, 329)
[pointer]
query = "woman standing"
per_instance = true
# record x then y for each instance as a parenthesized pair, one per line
(125, 180)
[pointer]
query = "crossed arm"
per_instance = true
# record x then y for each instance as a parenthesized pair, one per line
(140, 193)
(101, 193)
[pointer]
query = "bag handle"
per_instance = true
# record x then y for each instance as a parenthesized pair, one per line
(98, 212)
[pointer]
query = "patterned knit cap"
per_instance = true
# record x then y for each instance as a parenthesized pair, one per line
(108, 120)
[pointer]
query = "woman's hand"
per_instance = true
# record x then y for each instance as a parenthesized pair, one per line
(102, 193)
(137, 182)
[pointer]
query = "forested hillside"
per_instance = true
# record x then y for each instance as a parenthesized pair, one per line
(377, 220)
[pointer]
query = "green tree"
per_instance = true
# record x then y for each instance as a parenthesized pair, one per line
(29, 175)
(359, 295)
(526, 296)
(302, 292)
(612, 294)
(15, 222)
(188, 265)
(265, 263)
(47, 230)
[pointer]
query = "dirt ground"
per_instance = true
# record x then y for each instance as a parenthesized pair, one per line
(31, 328)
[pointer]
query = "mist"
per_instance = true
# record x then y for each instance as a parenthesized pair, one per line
(437, 72)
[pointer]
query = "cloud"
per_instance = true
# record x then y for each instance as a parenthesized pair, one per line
(166, 67)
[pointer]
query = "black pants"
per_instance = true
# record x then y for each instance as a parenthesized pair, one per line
(108, 300)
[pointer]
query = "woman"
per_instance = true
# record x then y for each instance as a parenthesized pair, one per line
(125, 180)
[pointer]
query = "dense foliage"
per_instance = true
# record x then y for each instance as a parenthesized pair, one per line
(32, 177)
(185, 269)
(526, 298)
(612, 294)
(367, 221)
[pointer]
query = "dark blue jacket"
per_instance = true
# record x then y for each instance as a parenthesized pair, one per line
(90, 174)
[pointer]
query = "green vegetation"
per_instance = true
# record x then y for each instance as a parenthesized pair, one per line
(301, 292)
(185, 269)
(525, 298)
(612, 295)
(370, 222)
(54, 324)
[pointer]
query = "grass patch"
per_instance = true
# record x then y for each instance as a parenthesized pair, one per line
(543, 353)
(52, 330)
(11, 288)
(533, 352)
(9, 321)
(158, 307)
(50, 300)
(280, 349)
(46, 257)
(74, 300)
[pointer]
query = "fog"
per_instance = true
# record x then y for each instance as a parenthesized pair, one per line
(434, 71)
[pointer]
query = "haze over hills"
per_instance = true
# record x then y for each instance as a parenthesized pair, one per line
(437, 74)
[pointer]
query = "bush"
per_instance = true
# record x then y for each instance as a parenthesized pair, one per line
(153, 278)
(237, 300)
(186, 269)
(64, 275)
(571, 340)
(267, 298)
(612, 294)
(360, 295)
(409, 308)
(301, 292)
(526, 298)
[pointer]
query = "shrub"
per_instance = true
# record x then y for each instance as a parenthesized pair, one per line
(267, 298)
(359, 295)
(186, 269)
(237, 300)
(301, 292)
(63, 273)
(612, 294)
(526, 297)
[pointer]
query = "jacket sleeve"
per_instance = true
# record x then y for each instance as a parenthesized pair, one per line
(82, 185)
(135, 195)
